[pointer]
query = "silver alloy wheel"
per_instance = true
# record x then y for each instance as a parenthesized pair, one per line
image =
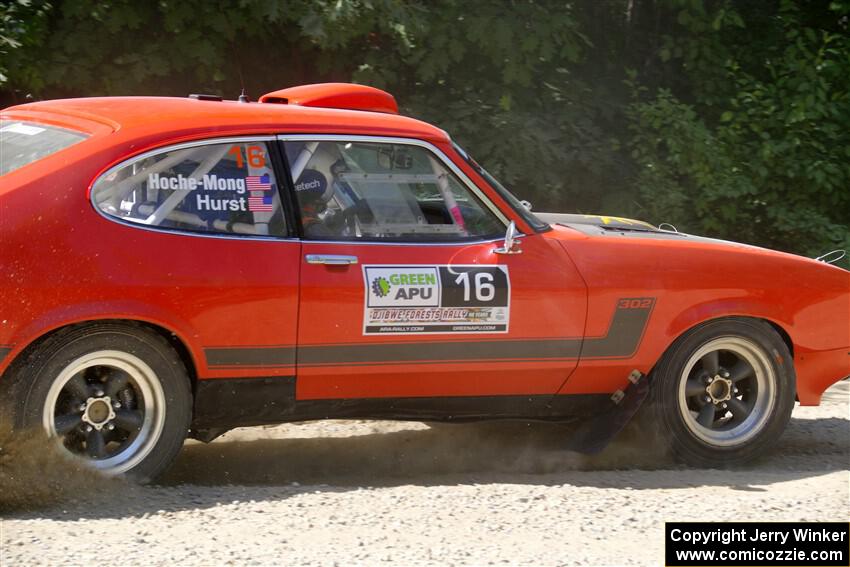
(108, 407)
(727, 391)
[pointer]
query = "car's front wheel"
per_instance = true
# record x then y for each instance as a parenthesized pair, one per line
(116, 396)
(723, 393)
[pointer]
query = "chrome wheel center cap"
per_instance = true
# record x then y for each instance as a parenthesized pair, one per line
(98, 412)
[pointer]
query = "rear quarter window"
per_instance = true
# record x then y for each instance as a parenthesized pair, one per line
(23, 143)
(218, 187)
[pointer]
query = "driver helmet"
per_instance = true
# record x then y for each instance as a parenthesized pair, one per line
(313, 192)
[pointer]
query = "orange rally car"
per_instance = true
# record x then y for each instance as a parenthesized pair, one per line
(176, 267)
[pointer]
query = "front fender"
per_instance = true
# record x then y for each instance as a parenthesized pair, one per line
(705, 311)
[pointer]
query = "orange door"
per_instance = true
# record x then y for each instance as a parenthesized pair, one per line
(416, 320)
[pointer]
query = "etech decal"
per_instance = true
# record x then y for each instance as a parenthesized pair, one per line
(405, 300)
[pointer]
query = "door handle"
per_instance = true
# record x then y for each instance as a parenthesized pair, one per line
(331, 259)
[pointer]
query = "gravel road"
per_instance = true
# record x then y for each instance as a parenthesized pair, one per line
(345, 492)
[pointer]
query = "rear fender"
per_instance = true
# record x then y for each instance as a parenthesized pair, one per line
(99, 311)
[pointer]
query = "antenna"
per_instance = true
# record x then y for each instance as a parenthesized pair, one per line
(242, 97)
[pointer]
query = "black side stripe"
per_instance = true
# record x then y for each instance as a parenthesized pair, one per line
(624, 335)
(4, 351)
(621, 341)
(440, 351)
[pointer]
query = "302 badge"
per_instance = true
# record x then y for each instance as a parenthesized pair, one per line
(404, 300)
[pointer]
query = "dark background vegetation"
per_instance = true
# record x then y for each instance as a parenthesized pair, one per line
(726, 118)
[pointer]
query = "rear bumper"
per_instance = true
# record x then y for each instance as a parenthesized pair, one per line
(818, 370)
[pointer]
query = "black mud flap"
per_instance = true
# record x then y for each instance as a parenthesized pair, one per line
(594, 434)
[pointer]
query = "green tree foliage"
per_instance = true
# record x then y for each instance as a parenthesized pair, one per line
(498, 78)
(726, 118)
(761, 150)
(22, 23)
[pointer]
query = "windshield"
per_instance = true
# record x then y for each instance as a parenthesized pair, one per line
(22, 143)
(529, 217)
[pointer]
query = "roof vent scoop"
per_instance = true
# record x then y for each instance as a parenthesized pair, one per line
(345, 96)
(211, 97)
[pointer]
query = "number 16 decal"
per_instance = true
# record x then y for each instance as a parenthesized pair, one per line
(484, 290)
(403, 300)
(479, 286)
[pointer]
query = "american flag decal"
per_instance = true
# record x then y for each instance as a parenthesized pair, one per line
(259, 203)
(258, 182)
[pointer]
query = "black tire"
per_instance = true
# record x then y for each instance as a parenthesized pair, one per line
(141, 428)
(740, 413)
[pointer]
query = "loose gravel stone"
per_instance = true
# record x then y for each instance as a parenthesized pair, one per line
(366, 493)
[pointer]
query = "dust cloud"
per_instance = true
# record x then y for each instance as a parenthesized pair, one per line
(34, 473)
(374, 453)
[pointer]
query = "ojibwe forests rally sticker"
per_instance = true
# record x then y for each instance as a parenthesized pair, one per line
(413, 300)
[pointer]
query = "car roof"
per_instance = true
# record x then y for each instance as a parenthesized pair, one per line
(171, 116)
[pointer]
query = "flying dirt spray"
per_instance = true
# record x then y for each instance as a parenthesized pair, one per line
(35, 473)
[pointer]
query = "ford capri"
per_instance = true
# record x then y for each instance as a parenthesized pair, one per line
(178, 267)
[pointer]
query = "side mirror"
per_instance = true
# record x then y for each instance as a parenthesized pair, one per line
(511, 246)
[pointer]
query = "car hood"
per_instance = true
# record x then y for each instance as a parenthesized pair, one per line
(596, 220)
(613, 227)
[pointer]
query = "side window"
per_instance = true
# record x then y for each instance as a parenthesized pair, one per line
(382, 191)
(227, 188)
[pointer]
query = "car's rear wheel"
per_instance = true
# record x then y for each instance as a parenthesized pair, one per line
(115, 396)
(723, 393)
